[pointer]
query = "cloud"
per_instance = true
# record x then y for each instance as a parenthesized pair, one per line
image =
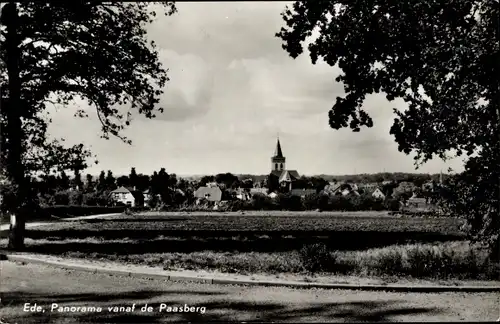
(189, 93)
(232, 89)
(222, 30)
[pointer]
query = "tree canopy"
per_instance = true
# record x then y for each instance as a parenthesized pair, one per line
(96, 52)
(441, 57)
(54, 53)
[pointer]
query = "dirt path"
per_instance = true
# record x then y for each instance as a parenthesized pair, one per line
(45, 285)
(5, 227)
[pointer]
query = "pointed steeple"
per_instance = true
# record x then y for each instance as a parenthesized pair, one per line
(278, 160)
(277, 151)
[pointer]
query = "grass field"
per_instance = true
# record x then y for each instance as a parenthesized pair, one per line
(136, 234)
(290, 222)
(347, 243)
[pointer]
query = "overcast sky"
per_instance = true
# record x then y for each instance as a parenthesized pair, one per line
(232, 90)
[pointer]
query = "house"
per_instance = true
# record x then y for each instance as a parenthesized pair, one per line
(212, 184)
(348, 192)
(341, 188)
(242, 194)
(273, 195)
(261, 191)
(302, 192)
(428, 185)
(418, 203)
(209, 193)
(378, 194)
(368, 186)
(405, 186)
(128, 196)
(333, 189)
(287, 177)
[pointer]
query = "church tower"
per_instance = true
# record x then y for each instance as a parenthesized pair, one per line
(278, 160)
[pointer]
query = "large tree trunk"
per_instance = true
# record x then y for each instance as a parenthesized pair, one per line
(16, 231)
(14, 131)
(495, 251)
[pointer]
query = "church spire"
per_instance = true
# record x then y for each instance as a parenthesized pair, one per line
(277, 152)
(278, 160)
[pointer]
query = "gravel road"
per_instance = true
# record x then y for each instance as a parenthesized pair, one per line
(44, 285)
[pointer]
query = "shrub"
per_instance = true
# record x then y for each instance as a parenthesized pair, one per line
(323, 202)
(46, 200)
(96, 198)
(454, 259)
(179, 199)
(355, 203)
(428, 261)
(75, 197)
(295, 203)
(289, 202)
(311, 201)
(370, 203)
(61, 198)
(154, 201)
(262, 202)
(386, 261)
(341, 203)
(392, 204)
(316, 258)
(236, 205)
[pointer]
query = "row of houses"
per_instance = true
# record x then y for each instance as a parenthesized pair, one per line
(133, 197)
(347, 189)
(214, 193)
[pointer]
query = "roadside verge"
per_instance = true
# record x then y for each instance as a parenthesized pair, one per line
(179, 276)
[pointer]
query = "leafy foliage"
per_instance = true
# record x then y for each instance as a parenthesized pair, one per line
(441, 59)
(55, 53)
(263, 202)
(69, 51)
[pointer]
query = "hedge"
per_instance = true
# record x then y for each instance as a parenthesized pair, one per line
(312, 202)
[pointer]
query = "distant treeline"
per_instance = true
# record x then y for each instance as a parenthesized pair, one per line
(66, 189)
(365, 177)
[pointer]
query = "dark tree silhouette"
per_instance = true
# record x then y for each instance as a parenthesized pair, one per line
(442, 59)
(64, 181)
(89, 183)
(122, 181)
(228, 179)
(110, 181)
(206, 179)
(133, 178)
(96, 52)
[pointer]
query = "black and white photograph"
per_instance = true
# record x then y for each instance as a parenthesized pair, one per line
(250, 161)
